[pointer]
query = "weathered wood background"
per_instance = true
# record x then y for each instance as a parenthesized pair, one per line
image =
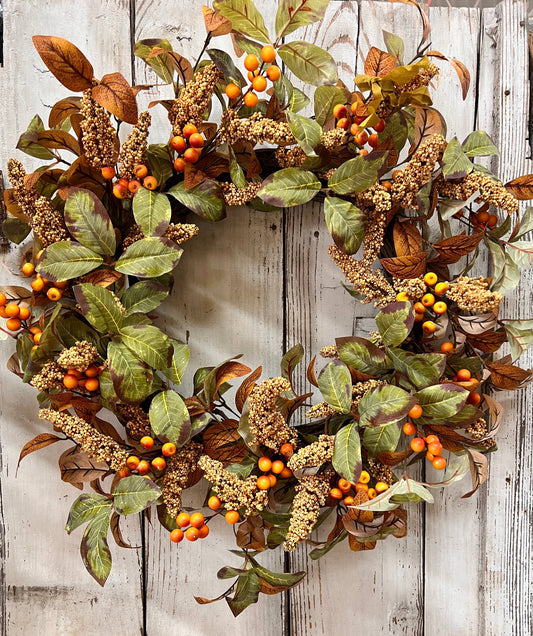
(256, 284)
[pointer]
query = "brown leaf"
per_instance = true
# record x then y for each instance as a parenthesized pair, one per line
(102, 277)
(487, 341)
(450, 439)
(507, 377)
(311, 377)
(66, 62)
(358, 546)
(82, 175)
(77, 467)
(462, 73)
(223, 442)
(229, 371)
(397, 519)
(393, 459)
(193, 176)
(62, 109)
(496, 412)
(428, 122)
(115, 94)
(364, 516)
(477, 324)
(407, 239)
(251, 533)
(479, 470)
(404, 267)
(85, 408)
(105, 428)
(246, 387)
(12, 206)
(13, 365)
(117, 534)
(58, 139)
(378, 63)
(521, 187)
(454, 248)
(215, 24)
(179, 63)
(41, 441)
(15, 292)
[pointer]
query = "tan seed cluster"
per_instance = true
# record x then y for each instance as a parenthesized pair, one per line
(323, 409)
(290, 157)
(177, 232)
(329, 352)
(490, 190)
(332, 139)
(319, 411)
(48, 223)
(25, 197)
(314, 454)
(311, 493)
(134, 148)
(267, 425)
(256, 128)
(49, 377)
(97, 445)
(79, 356)
(380, 472)
(235, 493)
(180, 468)
(424, 77)
(99, 137)
(239, 196)
(135, 420)
(473, 294)
(478, 429)
(194, 99)
(366, 281)
(413, 288)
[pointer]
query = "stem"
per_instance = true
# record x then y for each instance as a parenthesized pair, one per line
(206, 44)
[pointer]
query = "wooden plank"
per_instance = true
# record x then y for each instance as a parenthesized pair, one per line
(45, 583)
(227, 300)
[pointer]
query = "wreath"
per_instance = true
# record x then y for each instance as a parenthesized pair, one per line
(408, 213)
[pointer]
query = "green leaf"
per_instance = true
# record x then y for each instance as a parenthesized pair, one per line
(396, 128)
(521, 253)
(479, 144)
(158, 158)
(383, 439)
(134, 494)
(526, 223)
(205, 200)
(152, 212)
(441, 400)
(335, 384)
(282, 581)
(132, 379)
(362, 355)
(71, 329)
(95, 549)
(149, 343)
(394, 44)
(292, 15)
(143, 297)
(395, 321)
(309, 62)
(99, 306)
(161, 64)
(347, 453)
(150, 257)
(404, 490)
(346, 224)
(326, 98)
(169, 418)
(383, 405)
(235, 170)
(356, 175)
(520, 336)
(28, 141)
(455, 163)
(88, 221)
(248, 583)
(290, 360)
(15, 230)
(307, 132)
(244, 18)
(179, 362)
(288, 187)
(421, 370)
(296, 99)
(224, 62)
(317, 553)
(67, 259)
(86, 507)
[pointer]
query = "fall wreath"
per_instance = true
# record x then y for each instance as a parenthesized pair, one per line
(408, 213)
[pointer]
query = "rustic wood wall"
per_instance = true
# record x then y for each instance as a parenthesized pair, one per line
(256, 284)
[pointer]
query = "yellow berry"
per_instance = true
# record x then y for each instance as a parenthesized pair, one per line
(430, 279)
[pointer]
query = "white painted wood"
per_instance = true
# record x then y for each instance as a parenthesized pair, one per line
(45, 586)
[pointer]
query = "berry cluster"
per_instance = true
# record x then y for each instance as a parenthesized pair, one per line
(348, 120)
(429, 302)
(188, 146)
(53, 291)
(123, 188)
(231, 516)
(272, 469)
(143, 466)
(418, 444)
(88, 380)
(344, 491)
(195, 524)
(257, 75)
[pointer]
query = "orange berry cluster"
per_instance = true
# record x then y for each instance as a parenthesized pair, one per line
(188, 146)
(344, 491)
(143, 466)
(348, 120)
(272, 469)
(53, 291)
(88, 380)
(196, 527)
(231, 516)
(15, 315)
(257, 75)
(483, 219)
(124, 188)
(428, 302)
(434, 447)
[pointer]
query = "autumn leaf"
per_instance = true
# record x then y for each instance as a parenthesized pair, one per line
(407, 239)
(428, 122)
(487, 341)
(215, 24)
(521, 187)
(41, 441)
(116, 95)
(379, 63)
(404, 267)
(223, 442)
(246, 388)
(508, 377)
(66, 62)
(454, 248)
(251, 534)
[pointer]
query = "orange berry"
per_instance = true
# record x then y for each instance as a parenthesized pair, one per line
(417, 444)
(396, 174)
(178, 143)
(37, 338)
(483, 217)
(176, 535)
(120, 191)
(252, 74)
(463, 375)
(150, 183)
(380, 126)
(92, 384)
(415, 412)
(441, 289)
(37, 285)
(409, 428)
(272, 479)
(439, 463)
(340, 111)
(232, 516)
(36, 330)
(143, 467)
(3, 312)
(430, 456)
(268, 54)
(419, 317)
(354, 129)
(363, 152)
(447, 347)
(108, 172)
(440, 307)
(24, 313)
(54, 293)
(259, 83)
(419, 308)
(2, 299)
(183, 519)
(38, 255)
(13, 324)
(82, 382)
(188, 130)
(134, 186)
(372, 493)
(381, 486)
(277, 466)
(159, 463)
(140, 171)
(402, 296)
(429, 327)
(214, 503)
(387, 185)
(359, 487)
(286, 473)
(196, 140)
(132, 462)
(70, 381)
(373, 140)
(362, 138)
(251, 62)
(273, 73)
(286, 450)
(91, 371)
(335, 493)
(233, 91)
(203, 531)
(430, 279)
(435, 448)
(348, 501)
(147, 442)
(431, 438)
(124, 472)
(344, 485)
(28, 269)
(428, 300)
(191, 155)
(168, 449)
(75, 373)
(197, 520)
(492, 221)
(12, 310)
(179, 165)
(263, 482)
(251, 99)
(192, 534)
(473, 398)
(364, 477)
(265, 464)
